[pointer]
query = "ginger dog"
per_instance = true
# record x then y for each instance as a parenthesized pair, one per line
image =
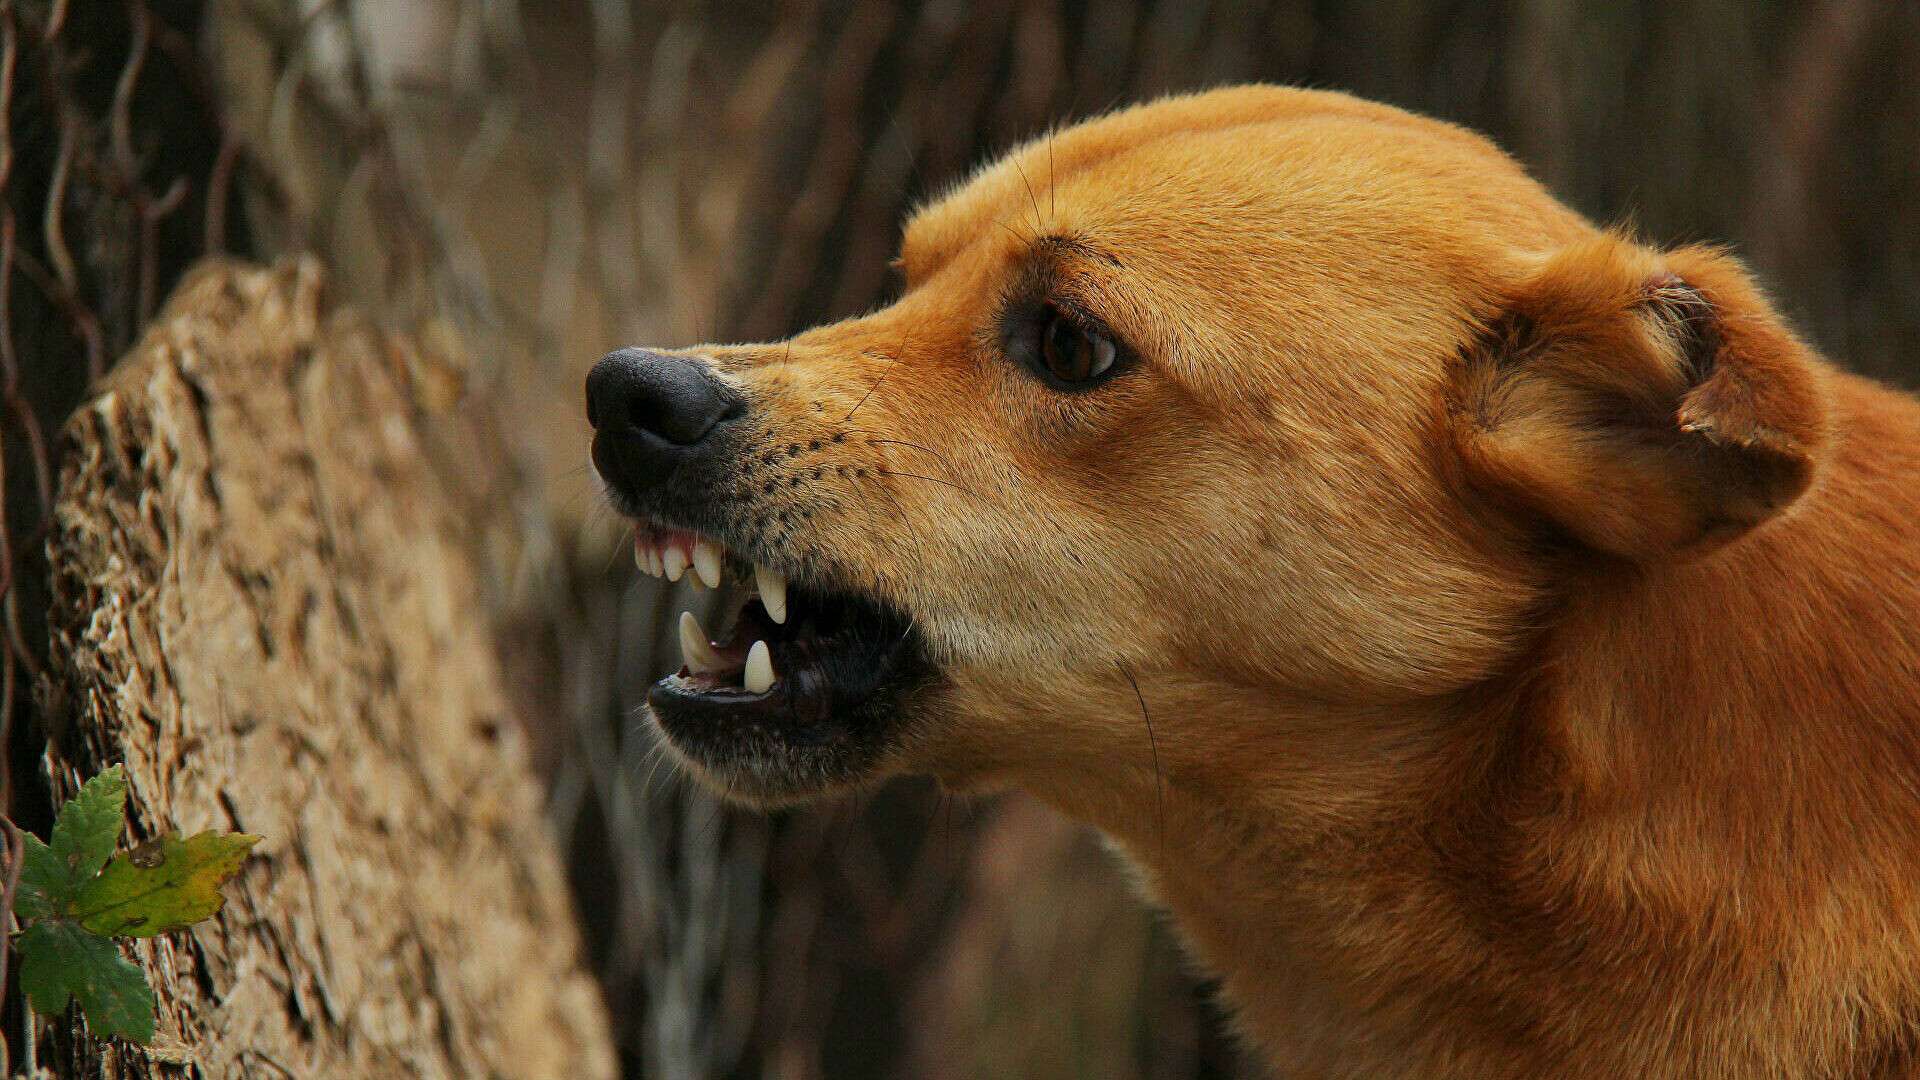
(1495, 640)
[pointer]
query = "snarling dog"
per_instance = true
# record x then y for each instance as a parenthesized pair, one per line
(1496, 640)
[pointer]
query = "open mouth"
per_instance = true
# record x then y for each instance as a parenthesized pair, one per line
(800, 667)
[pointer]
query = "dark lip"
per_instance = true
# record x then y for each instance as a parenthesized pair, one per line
(846, 663)
(838, 702)
(826, 684)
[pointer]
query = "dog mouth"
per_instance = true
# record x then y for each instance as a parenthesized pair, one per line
(801, 688)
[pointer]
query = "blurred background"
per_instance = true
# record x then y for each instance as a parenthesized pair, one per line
(536, 183)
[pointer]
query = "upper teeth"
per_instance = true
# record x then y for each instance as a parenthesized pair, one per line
(671, 553)
(773, 591)
(706, 561)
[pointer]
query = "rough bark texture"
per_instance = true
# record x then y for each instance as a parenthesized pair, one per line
(266, 602)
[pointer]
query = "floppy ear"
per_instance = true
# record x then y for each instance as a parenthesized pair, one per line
(1642, 403)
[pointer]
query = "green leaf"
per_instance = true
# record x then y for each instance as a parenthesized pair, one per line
(162, 885)
(44, 885)
(83, 839)
(59, 960)
(90, 823)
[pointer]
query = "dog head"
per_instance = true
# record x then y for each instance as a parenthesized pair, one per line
(1257, 395)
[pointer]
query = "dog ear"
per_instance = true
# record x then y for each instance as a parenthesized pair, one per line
(1642, 403)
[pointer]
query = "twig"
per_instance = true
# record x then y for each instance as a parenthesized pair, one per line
(16, 854)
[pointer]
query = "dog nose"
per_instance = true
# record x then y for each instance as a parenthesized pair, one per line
(651, 414)
(661, 400)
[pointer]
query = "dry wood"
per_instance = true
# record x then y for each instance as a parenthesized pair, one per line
(267, 604)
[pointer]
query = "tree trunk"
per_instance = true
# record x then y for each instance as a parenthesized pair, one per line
(267, 604)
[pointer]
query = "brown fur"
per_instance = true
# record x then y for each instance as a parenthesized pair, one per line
(1524, 618)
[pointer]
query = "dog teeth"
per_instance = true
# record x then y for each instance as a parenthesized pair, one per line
(672, 553)
(695, 649)
(646, 554)
(772, 586)
(706, 561)
(758, 678)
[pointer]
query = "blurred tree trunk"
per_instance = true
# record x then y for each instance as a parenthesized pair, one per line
(266, 602)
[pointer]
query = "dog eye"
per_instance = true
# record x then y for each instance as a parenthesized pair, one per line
(1072, 353)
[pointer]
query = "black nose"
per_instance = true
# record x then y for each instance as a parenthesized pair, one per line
(669, 401)
(652, 414)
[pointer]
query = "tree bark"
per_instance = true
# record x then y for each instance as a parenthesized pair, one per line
(267, 603)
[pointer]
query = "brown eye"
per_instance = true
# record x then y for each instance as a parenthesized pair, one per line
(1071, 353)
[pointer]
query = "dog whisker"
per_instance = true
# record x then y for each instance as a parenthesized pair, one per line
(888, 370)
(1016, 233)
(1053, 175)
(925, 449)
(932, 480)
(1153, 745)
(1039, 224)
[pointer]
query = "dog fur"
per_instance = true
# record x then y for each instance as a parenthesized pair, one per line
(1493, 638)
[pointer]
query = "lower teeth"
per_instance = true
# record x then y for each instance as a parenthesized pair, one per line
(699, 654)
(701, 658)
(758, 676)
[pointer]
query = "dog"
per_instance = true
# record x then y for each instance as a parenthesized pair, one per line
(1494, 639)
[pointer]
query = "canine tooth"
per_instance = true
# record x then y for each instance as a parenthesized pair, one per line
(758, 678)
(694, 647)
(676, 561)
(706, 561)
(773, 591)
